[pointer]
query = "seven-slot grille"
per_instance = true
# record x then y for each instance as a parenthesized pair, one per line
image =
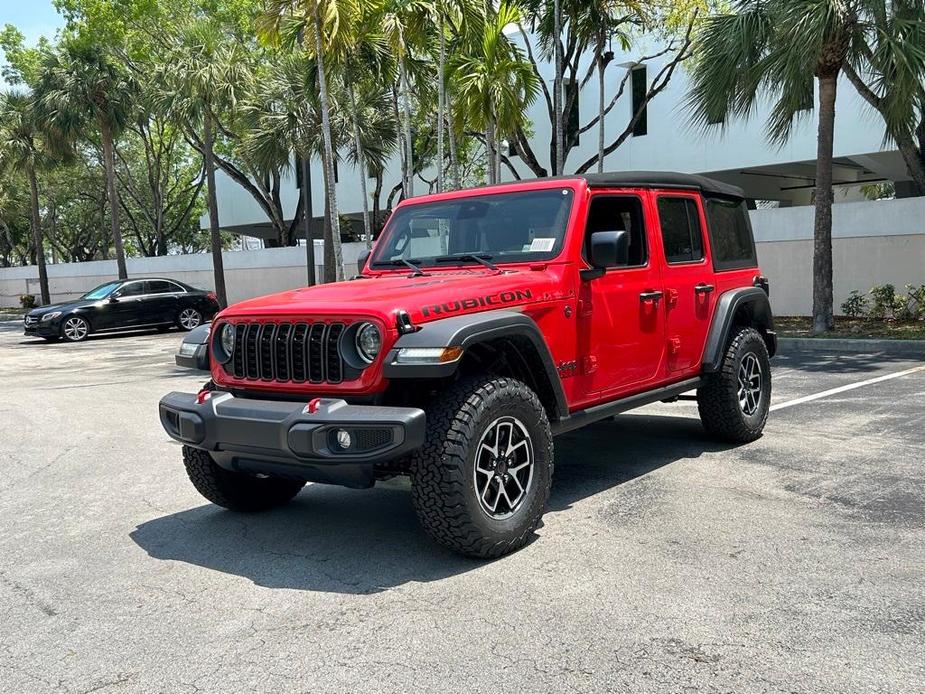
(287, 352)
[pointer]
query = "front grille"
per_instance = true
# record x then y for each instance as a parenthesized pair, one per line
(297, 352)
(31, 320)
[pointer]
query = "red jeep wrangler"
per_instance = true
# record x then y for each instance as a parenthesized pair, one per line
(484, 323)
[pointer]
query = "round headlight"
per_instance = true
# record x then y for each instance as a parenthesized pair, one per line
(368, 342)
(227, 337)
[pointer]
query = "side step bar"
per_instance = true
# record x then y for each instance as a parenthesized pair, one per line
(578, 419)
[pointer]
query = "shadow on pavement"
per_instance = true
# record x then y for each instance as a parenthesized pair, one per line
(837, 362)
(98, 337)
(364, 541)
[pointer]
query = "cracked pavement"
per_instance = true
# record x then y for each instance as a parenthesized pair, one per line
(666, 563)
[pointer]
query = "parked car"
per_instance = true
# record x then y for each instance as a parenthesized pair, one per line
(194, 350)
(152, 302)
(484, 323)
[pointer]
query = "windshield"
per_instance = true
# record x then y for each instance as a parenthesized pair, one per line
(101, 292)
(503, 227)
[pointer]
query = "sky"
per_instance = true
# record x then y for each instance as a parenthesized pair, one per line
(34, 18)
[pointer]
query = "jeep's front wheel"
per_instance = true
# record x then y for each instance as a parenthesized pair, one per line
(234, 490)
(734, 402)
(482, 478)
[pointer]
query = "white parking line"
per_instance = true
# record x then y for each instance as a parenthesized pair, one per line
(842, 389)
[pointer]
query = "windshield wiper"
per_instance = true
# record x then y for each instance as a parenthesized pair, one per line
(481, 258)
(417, 271)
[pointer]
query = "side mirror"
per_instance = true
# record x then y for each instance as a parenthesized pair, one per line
(113, 299)
(362, 259)
(607, 249)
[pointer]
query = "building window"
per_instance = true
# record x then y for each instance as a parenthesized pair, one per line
(298, 172)
(640, 84)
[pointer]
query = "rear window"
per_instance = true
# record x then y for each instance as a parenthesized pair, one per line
(730, 231)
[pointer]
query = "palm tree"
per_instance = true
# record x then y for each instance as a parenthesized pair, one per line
(892, 79)
(24, 146)
(323, 19)
(495, 84)
(201, 75)
(83, 87)
(777, 48)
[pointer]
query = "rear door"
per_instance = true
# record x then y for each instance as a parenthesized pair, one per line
(161, 301)
(687, 277)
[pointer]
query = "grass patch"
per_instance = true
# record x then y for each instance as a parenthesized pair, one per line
(859, 328)
(16, 311)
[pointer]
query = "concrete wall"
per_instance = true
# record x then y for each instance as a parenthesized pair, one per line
(247, 273)
(874, 243)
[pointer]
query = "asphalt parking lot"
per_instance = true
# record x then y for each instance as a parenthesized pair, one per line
(666, 563)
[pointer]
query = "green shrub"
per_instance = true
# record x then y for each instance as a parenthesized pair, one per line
(27, 301)
(884, 300)
(855, 306)
(903, 309)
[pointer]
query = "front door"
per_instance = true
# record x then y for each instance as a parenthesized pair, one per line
(124, 307)
(621, 324)
(687, 278)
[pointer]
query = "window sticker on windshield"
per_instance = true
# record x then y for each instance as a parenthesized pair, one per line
(542, 245)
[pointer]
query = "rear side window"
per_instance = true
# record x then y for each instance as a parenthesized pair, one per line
(681, 235)
(161, 287)
(730, 234)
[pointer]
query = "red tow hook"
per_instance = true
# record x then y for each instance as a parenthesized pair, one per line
(312, 406)
(203, 395)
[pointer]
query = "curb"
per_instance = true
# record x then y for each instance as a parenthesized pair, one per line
(915, 348)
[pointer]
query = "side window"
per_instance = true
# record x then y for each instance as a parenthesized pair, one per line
(161, 287)
(731, 241)
(682, 238)
(132, 289)
(619, 213)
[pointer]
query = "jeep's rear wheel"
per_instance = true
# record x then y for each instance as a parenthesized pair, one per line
(734, 402)
(482, 478)
(235, 490)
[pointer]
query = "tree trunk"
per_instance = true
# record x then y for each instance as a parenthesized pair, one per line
(333, 248)
(307, 219)
(361, 165)
(441, 104)
(37, 236)
(409, 142)
(600, 113)
(489, 154)
(109, 165)
(915, 162)
(451, 136)
(215, 235)
(823, 315)
(557, 92)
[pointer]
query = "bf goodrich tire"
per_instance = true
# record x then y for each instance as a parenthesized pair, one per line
(480, 482)
(235, 490)
(734, 402)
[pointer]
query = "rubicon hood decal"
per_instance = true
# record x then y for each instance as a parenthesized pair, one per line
(499, 299)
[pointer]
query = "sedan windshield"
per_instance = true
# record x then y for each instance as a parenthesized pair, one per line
(101, 292)
(502, 228)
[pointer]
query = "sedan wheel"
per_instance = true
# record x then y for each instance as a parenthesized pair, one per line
(75, 329)
(189, 318)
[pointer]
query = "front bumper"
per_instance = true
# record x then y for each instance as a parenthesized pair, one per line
(290, 439)
(45, 329)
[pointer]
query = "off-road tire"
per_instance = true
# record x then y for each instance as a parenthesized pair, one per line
(718, 399)
(235, 490)
(442, 486)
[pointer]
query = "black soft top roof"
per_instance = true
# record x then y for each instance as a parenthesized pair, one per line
(661, 179)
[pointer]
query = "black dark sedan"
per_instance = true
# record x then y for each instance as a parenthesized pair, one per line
(124, 305)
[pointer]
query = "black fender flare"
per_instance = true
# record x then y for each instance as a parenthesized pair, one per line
(465, 331)
(755, 301)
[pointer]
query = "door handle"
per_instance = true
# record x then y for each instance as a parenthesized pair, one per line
(652, 295)
(703, 288)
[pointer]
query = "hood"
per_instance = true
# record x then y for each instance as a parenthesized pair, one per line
(438, 294)
(67, 306)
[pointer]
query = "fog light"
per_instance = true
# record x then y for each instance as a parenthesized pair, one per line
(343, 439)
